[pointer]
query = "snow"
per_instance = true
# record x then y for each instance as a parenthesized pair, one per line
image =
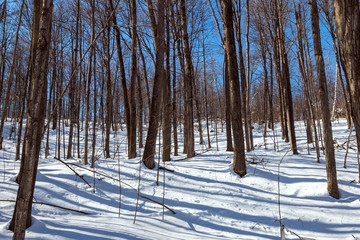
(210, 200)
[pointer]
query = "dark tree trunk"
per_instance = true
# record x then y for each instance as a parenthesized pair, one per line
(166, 113)
(35, 120)
(188, 86)
(235, 100)
(324, 100)
(347, 15)
(159, 79)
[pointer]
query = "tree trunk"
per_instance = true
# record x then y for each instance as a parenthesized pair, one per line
(88, 81)
(188, 86)
(9, 79)
(127, 98)
(73, 81)
(324, 100)
(239, 149)
(243, 78)
(347, 15)
(166, 113)
(133, 76)
(108, 90)
(174, 88)
(159, 79)
(35, 120)
(248, 86)
(229, 140)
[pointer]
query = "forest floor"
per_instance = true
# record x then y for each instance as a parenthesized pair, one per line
(209, 199)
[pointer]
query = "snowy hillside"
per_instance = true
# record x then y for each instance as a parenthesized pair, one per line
(209, 199)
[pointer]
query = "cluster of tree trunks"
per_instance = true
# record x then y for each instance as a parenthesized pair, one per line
(109, 52)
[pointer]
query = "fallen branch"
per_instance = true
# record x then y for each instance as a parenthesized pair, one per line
(51, 205)
(67, 164)
(154, 201)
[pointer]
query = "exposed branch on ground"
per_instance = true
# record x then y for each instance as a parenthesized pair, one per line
(67, 164)
(51, 205)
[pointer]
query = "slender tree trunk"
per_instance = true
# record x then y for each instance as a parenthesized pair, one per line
(140, 117)
(88, 81)
(126, 95)
(329, 16)
(243, 78)
(229, 140)
(174, 88)
(166, 113)
(325, 110)
(188, 86)
(133, 76)
(304, 70)
(72, 88)
(159, 79)
(248, 86)
(108, 89)
(9, 79)
(206, 91)
(3, 47)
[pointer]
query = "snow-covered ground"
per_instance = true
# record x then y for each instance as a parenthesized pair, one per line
(210, 201)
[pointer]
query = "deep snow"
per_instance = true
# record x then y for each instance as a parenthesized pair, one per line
(210, 200)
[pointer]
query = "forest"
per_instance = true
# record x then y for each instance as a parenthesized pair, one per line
(89, 86)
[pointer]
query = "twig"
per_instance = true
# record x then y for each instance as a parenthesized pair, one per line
(51, 205)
